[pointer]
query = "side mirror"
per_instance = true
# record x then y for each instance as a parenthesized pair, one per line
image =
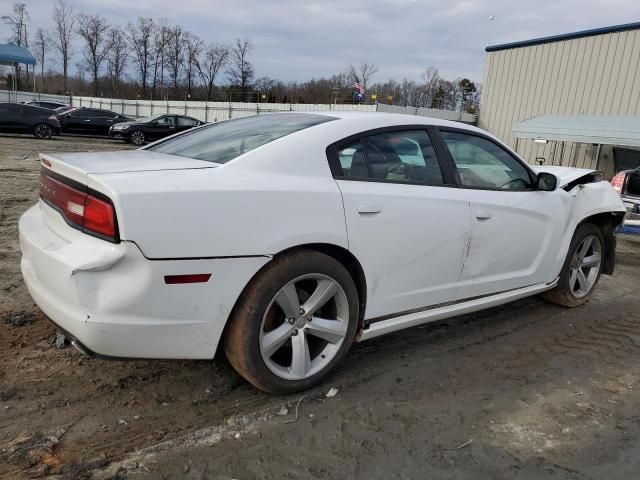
(547, 182)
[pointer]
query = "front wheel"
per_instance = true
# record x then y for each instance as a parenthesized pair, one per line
(43, 131)
(137, 137)
(293, 323)
(581, 270)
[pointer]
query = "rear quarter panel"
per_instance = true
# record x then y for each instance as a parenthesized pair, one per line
(221, 212)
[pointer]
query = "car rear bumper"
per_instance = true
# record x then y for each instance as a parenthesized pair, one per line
(115, 302)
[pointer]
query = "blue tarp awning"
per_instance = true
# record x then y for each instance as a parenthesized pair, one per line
(11, 53)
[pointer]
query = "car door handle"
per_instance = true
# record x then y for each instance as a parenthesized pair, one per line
(87, 120)
(483, 214)
(369, 208)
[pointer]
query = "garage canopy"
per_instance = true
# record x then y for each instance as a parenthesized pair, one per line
(11, 54)
(581, 129)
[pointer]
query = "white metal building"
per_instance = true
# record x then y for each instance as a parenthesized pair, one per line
(567, 99)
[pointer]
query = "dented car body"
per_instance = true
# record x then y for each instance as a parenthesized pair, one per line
(152, 253)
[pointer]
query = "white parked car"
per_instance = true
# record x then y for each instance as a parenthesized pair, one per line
(283, 238)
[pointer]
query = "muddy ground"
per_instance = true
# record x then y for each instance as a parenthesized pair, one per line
(524, 391)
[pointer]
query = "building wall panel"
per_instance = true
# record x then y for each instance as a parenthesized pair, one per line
(591, 75)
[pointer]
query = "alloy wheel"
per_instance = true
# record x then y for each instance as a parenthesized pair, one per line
(43, 131)
(585, 266)
(304, 326)
(137, 138)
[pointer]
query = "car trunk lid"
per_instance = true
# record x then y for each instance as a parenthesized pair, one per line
(77, 166)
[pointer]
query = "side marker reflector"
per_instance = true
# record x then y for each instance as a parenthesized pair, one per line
(190, 278)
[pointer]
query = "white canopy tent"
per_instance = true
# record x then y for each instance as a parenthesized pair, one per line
(601, 130)
(591, 131)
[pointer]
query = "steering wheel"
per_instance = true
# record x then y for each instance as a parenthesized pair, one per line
(511, 182)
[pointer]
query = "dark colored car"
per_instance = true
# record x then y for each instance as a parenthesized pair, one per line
(153, 128)
(627, 183)
(21, 118)
(47, 104)
(90, 121)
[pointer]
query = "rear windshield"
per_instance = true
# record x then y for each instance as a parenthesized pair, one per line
(227, 140)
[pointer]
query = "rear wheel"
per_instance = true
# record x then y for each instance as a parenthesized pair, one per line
(137, 137)
(294, 322)
(581, 270)
(43, 131)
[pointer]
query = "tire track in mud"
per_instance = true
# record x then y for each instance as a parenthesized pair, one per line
(609, 341)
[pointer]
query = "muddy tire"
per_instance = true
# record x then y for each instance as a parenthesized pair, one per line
(137, 137)
(581, 270)
(293, 323)
(43, 131)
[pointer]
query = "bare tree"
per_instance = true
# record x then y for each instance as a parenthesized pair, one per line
(141, 39)
(363, 73)
(160, 42)
(431, 78)
(64, 21)
(94, 29)
(175, 55)
(240, 71)
(117, 57)
(17, 21)
(193, 47)
(214, 57)
(41, 47)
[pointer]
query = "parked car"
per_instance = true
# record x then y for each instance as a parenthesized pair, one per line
(153, 128)
(21, 118)
(281, 239)
(47, 104)
(91, 121)
(627, 184)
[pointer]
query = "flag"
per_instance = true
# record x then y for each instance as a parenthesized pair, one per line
(359, 88)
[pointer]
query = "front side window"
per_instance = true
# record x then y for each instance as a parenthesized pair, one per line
(165, 121)
(224, 141)
(481, 163)
(402, 156)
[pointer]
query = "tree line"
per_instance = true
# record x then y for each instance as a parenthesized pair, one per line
(154, 59)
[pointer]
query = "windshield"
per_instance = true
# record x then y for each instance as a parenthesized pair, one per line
(227, 140)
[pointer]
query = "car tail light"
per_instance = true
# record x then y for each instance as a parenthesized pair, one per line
(617, 182)
(79, 208)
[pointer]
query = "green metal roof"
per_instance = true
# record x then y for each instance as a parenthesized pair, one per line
(11, 53)
(604, 130)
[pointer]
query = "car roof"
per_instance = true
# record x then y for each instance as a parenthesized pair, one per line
(275, 156)
(36, 107)
(362, 121)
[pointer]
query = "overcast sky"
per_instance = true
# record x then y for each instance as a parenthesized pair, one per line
(298, 39)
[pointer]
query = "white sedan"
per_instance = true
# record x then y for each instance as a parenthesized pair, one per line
(281, 239)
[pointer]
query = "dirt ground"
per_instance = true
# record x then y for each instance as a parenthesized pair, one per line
(524, 391)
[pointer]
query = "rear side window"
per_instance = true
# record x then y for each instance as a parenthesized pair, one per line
(224, 141)
(187, 122)
(88, 113)
(402, 156)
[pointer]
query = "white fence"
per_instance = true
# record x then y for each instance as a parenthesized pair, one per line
(217, 111)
